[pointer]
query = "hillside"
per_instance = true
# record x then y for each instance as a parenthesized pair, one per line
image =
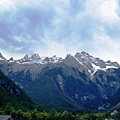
(11, 94)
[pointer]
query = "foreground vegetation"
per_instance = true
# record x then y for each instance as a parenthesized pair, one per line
(53, 115)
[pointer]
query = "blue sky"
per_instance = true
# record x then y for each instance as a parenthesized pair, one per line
(60, 27)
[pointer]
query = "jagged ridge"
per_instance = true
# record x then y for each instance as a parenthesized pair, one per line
(89, 62)
(77, 80)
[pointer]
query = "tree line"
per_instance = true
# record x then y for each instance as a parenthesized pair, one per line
(52, 115)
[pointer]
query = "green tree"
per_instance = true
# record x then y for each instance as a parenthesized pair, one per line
(27, 115)
(34, 114)
(8, 109)
(19, 115)
(65, 115)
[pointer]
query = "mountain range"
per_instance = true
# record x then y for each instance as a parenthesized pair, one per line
(75, 82)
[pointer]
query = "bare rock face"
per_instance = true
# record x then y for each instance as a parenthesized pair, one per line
(24, 59)
(35, 57)
(11, 60)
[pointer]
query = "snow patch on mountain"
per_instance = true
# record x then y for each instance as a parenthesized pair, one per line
(78, 61)
(39, 60)
(1, 59)
(89, 62)
(94, 64)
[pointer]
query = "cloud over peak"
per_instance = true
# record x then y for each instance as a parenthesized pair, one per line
(60, 27)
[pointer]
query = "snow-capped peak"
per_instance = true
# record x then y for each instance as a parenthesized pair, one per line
(35, 58)
(11, 60)
(93, 64)
(53, 59)
(89, 62)
(25, 57)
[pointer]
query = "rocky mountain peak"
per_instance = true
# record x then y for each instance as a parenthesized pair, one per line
(82, 58)
(1, 57)
(53, 59)
(85, 57)
(92, 64)
(84, 53)
(11, 59)
(56, 59)
(35, 57)
(25, 57)
(68, 56)
(47, 59)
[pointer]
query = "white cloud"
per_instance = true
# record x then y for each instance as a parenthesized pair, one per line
(106, 48)
(103, 10)
(60, 26)
(57, 48)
